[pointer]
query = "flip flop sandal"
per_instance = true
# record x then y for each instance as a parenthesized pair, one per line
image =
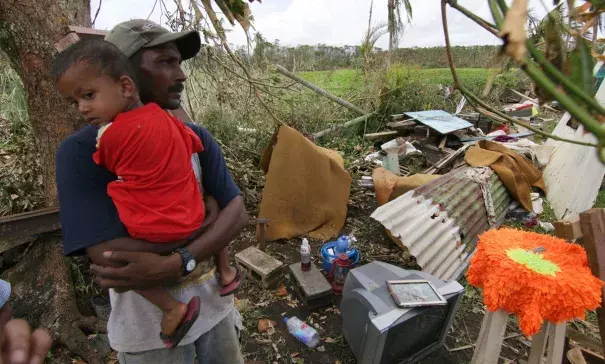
(236, 283)
(193, 311)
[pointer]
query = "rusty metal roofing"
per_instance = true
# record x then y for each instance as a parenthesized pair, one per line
(440, 221)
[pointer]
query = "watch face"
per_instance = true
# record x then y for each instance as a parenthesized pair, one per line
(190, 265)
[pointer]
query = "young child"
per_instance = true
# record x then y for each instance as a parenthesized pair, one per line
(156, 192)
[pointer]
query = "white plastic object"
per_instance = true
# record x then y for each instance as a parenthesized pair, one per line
(303, 332)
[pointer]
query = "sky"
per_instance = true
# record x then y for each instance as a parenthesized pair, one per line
(332, 22)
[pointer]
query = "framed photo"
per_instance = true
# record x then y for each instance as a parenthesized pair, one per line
(415, 293)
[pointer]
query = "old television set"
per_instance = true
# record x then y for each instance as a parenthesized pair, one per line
(380, 332)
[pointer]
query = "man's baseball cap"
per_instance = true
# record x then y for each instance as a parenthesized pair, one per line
(133, 35)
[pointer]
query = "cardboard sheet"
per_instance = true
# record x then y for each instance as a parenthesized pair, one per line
(306, 189)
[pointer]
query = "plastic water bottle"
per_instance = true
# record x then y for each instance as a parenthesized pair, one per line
(303, 332)
(305, 255)
(343, 243)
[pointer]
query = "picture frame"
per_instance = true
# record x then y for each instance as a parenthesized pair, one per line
(415, 293)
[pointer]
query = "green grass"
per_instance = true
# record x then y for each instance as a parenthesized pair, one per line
(600, 203)
(343, 81)
(338, 82)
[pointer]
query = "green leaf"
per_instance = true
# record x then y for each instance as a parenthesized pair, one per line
(581, 66)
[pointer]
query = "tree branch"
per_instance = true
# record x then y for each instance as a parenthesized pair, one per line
(469, 95)
(221, 34)
(477, 19)
(96, 13)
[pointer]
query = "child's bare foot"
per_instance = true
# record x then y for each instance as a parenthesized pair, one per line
(228, 275)
(173, 317)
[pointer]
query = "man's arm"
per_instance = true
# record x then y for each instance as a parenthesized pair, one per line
(135, 268)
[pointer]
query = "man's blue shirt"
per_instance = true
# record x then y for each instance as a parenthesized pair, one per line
(88, 215)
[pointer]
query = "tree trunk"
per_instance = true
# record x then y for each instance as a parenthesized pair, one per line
(391, 23)
(43, 293)
(42, 289)
(28, 30)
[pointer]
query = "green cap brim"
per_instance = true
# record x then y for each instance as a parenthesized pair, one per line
(188, 43)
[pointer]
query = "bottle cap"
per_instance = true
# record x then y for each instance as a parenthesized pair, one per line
(305, 242)
(286, 319)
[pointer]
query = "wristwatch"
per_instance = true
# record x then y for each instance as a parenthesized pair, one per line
(189, 262)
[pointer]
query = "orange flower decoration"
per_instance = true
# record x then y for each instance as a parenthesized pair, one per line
(536, 277)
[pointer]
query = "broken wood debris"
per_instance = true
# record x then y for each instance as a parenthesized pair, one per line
(345, 125)
(447, 161)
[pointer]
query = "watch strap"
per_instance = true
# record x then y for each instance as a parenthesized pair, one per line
(187, 256)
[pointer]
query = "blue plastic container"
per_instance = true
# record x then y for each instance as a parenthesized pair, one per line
(327, 258)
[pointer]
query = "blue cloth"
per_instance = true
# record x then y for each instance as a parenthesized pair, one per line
(5, 292)
(88, 215)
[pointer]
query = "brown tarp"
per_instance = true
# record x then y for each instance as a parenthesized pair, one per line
(389, 186)
(517, 173)
(306, 188)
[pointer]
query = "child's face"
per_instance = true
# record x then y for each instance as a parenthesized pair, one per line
(99, 97)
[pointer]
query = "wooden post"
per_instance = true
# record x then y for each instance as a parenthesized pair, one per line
(592, 223)
(538, 344)
(568, 229)
(491, 337)
(556, 343)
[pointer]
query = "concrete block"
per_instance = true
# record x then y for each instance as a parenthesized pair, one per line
(312, 286)
(263, 268)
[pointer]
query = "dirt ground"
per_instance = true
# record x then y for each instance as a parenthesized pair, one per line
(278, 346)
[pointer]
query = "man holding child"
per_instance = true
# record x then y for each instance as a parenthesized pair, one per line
(94, 223)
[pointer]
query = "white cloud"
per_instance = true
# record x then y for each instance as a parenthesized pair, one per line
(334, 22)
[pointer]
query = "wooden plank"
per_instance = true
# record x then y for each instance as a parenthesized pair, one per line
(87, 32)
(446, 161)
(66, 41)
(381, 134)
(442, 143)
(524, 96)
(575, 356)
(556, 343)
(29, 223)
(491, 338)
(485, 326)
(569, 230)
(538, 345)
(584, 340)
(403, 124)
(592, 223)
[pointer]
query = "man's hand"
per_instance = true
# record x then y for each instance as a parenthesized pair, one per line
(137, 270)
(19, 345)
(127, 270)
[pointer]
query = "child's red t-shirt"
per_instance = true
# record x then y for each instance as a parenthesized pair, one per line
(156, 194)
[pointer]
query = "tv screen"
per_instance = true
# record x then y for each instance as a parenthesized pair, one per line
(413, 334)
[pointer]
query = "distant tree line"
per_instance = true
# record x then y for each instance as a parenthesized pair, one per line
(321, 57)
(435, 57)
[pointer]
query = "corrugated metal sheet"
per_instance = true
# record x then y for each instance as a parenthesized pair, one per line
(439, 120)
(440, 221)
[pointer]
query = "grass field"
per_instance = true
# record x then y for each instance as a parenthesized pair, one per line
(345, 81)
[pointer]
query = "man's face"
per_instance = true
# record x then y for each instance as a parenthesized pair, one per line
(161, 77)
